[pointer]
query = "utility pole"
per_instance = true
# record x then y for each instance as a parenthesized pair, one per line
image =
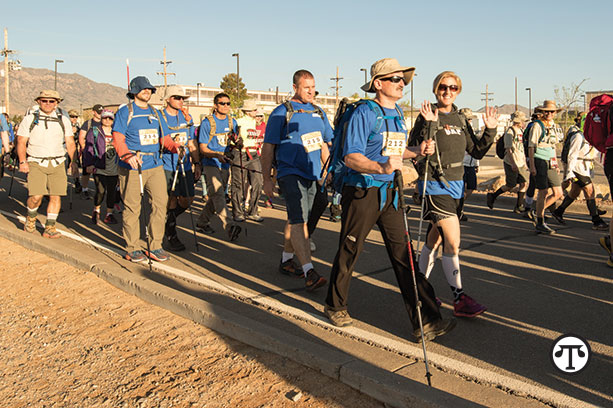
(515, 94)
(529, 101)
(414, 75)
(487, 96)
(165, 62)
(337, 86)
(6, 52)
(198, 85)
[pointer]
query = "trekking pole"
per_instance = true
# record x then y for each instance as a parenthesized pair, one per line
(12, 178)
(142, 210)
(191, 215)
(423, 205)
(399, 185)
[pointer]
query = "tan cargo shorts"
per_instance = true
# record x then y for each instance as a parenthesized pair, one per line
(47, 180)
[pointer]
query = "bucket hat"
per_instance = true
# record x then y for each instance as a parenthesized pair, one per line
(548, 106)
(175, 90)
(384, 67)
(518, 117)
(49, 93)
(249, 105)
(138, 84)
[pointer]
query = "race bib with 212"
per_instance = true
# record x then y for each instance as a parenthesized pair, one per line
(394, 143)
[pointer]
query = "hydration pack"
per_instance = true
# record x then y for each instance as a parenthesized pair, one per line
(46, 119)
(336, 164)
(597, 129)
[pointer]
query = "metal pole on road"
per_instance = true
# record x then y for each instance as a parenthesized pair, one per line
(57, 61)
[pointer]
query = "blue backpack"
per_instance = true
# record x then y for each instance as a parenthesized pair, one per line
(336, 164)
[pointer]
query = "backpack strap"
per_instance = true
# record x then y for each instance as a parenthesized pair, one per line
(36, 120)
(290, 113)
(213, 124)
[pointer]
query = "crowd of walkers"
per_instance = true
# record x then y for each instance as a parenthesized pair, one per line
(141, 151)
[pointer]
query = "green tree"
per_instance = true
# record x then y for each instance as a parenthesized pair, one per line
(568, 97)
(228, 84)
(355, 96)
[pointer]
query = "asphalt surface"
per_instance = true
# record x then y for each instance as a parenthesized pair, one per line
(536, 288)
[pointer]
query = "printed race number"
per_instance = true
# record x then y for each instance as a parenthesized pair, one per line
(394, 143)
(312, 141)
(148, 136)
(179, 137)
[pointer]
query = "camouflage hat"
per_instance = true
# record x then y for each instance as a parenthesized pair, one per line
(518, 117)
(468, 113)
(49, 93)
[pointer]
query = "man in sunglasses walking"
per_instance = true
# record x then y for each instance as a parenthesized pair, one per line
(178, 167)
(41, 136)
(373, 153)
(215, 142)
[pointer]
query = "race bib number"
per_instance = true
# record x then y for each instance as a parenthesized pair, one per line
(179, 137)
(251, 139)
(148, 136)
(553, 163)
(394, 143)
(312, 141)
(222, 139)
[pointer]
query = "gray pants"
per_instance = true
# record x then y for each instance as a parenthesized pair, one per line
(216, 181)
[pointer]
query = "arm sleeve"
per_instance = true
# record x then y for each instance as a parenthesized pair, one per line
(477, 148)
(573, 154)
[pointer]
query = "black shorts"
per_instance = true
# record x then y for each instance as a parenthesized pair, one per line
(439, 207)
(184, 187)
(546, 177)
(470, 178)
(581, 181)
(512, 178)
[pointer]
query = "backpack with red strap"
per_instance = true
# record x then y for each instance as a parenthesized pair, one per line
(597, 128)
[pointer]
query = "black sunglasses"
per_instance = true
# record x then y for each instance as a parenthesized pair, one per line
(177, 98)
(223, 103)
(74, 117)
(452, 88)
(394, 79)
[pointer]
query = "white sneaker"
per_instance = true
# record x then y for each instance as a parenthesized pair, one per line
(312, 245)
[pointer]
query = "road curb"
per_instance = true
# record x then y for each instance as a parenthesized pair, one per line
(390, 388)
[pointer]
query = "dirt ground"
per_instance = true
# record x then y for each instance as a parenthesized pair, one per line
(70, 339)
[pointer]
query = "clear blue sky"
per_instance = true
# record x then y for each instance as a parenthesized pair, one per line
(544, 43)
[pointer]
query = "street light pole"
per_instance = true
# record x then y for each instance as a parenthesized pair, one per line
(584, 107)
(365, 79)
(414, 75)
(529, 101)
(237, 76)
(198, 85)
(57, 61)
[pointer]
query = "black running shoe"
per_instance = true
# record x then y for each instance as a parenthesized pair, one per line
(490, 200)
(557, 215)
(544, 229)
(174, 244)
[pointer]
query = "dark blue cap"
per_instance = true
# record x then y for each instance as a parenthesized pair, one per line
(138, 84)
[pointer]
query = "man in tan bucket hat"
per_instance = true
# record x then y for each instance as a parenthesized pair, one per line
(370, 196)
(543, 163)
(40, 148)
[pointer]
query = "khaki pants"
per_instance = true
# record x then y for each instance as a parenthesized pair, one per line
(154, 185)
(216, 181)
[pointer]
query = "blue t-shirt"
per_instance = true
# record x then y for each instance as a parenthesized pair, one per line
(181, 131)
(361, 125)
(219, 141)
(142, 134)
(291, 154)
(4, 127)
(11, 133)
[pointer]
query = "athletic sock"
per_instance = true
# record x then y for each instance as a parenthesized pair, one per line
(529, 201)
(307, 267)
(286, 256)
(540, 220)
(498, 192)
(520, 198)
(565, 203)
(51, 219)
(32, 212)
(427, 258)
(451, 267)
(457, 292)
(460, 209)
(591, 206)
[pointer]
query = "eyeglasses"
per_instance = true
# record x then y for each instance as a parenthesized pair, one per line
(223, 103)
(74, 117)
(48, 100)
(394, 79)
(177, 98)
(107, 118)
(452, 88)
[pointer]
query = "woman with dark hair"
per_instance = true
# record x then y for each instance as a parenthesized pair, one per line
(444, 187)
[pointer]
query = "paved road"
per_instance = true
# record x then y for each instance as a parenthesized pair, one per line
(536, 288)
